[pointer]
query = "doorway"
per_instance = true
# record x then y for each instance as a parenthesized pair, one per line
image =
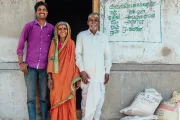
(75, 12)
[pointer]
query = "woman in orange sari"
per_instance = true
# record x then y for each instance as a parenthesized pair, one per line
(63, 74)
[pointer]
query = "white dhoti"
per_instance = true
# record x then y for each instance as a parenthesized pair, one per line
(92, 100)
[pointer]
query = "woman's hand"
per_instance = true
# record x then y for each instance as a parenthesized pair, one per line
(50, 84)
(78, 84)
(50, 81)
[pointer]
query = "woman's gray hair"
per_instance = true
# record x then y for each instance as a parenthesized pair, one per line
(62, 23)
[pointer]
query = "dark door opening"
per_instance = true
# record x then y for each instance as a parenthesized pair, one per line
(75, 12)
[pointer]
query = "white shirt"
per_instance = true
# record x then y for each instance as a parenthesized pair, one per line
(93, 55)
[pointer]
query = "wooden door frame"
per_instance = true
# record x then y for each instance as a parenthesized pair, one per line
(96, 6)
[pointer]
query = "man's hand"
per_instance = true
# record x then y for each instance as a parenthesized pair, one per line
(23, 68)
(106, 78)
(50, 84)
(85, 77)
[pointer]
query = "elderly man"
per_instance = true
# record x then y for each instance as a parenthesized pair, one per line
(94, 61)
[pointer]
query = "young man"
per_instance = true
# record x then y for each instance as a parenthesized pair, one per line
(94, 61)
(38, 35)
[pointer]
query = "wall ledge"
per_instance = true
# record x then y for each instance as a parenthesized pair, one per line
(115, 67)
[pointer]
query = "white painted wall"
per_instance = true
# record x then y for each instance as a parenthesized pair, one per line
(8, 49)
(157, 42)
(13, 16)
(13, 95)
(124, 83)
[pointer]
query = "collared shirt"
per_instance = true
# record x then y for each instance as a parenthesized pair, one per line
(38, 42)
(93, 55)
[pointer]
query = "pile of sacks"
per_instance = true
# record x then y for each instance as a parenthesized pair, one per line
(143, 106)
(146, 106)
(169, 110)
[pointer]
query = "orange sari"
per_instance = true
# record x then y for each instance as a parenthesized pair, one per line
(62, 96)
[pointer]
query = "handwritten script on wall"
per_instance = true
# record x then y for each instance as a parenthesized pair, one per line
(133, 20)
